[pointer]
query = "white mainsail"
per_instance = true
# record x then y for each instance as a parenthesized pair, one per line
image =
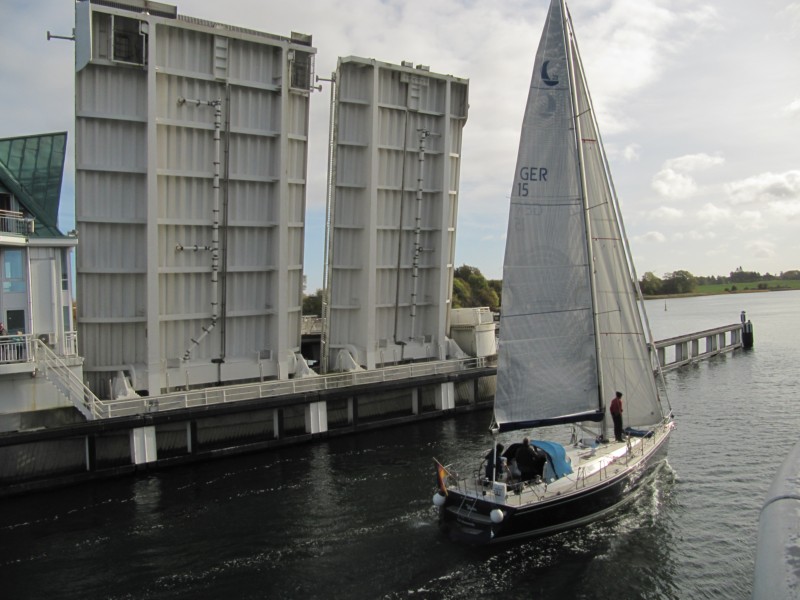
(571, 332)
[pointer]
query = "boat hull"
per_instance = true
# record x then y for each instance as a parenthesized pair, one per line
(467, 519)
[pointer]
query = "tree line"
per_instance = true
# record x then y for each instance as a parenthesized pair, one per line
(471, 288)
(683, 282)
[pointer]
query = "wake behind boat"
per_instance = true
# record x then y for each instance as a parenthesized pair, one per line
(573, 330)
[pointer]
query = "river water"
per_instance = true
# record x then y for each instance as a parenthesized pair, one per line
(352, 517)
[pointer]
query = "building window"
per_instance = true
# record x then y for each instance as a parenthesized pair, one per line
(15, 321)
(13, 272)
(129, 42)
(64, 270)
(301, 69)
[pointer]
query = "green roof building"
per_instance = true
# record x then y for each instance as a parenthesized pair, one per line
(36, 319)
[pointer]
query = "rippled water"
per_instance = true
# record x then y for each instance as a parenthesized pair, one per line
(352, 518)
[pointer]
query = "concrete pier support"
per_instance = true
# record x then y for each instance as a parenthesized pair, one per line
(143, 445)
(91, 453)
(191, 437)
(446, 396)
(317, 417)
(277, 423)
(712, 344)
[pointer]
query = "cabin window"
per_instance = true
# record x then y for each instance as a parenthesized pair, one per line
(13, 272)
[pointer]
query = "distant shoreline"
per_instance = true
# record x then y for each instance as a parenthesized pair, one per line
(729, 292)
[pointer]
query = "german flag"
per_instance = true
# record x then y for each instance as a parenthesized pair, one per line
(441, 475)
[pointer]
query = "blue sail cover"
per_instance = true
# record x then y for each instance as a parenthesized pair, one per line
(558, 457)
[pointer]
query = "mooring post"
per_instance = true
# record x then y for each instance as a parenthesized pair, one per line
(747, 332)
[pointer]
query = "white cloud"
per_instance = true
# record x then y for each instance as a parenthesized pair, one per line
(787, 210)
(766, 188)
(792, 14)
(671, 184)
(665, 213)
(672, 181)
(626, 46)
(793, 108)
(631, 152)
(694, 235)
(760, 248)
(750, 220)
(652, 236)
(693, 162)
(712, 214)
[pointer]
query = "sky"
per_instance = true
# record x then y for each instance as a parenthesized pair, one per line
(698, 104)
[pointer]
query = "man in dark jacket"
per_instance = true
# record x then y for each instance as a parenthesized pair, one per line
(530, 460)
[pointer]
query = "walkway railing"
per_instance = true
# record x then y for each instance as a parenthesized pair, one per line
(21, 348)
(269, 389)
(15, 348)
(12, 221)
(682, 350)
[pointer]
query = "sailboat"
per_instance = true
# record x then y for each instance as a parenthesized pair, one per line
(573, 331)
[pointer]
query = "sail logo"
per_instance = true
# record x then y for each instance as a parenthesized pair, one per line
(550, 78)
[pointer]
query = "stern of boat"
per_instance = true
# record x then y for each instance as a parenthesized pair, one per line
(471, 511)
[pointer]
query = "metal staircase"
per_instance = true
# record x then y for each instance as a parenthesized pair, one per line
(61, 376)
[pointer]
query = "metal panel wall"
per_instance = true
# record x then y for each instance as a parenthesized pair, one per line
(189, 266)
(397, 149)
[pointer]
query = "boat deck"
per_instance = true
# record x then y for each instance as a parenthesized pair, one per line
(590, 467)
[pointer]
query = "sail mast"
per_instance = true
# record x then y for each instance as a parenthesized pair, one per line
(571, 50)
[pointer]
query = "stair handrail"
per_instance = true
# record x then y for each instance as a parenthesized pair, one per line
(67, 382)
